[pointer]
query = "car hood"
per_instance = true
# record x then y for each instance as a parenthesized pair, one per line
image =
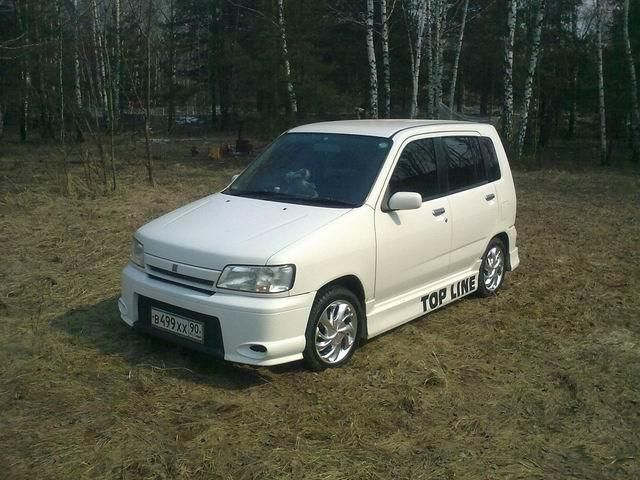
(223, 229)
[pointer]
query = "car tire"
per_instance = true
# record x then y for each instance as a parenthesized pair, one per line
(492, 269)
(334, 328)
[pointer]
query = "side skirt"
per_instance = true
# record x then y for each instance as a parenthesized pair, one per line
(404, 308)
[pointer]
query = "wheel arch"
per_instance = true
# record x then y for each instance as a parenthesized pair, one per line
(353, 284)
(504, 238)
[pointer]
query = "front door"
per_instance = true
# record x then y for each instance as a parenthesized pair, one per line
(413, 245)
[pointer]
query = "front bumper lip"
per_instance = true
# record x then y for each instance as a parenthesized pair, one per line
(276, 324)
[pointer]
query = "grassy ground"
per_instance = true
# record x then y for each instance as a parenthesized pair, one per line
(542, 381)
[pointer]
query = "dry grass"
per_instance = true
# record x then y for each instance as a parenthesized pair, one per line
(542, 381)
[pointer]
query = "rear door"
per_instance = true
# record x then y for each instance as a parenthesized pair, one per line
(474, 206)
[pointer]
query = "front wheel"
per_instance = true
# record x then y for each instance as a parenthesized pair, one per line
(492, 269)
(333, 330)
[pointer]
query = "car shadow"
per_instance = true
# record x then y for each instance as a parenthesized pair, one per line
(99, 327)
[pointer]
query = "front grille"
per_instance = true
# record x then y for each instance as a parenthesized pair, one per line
(181, 276)
(212, 332)
(180, 284)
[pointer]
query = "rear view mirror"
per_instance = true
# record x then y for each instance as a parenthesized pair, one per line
(405, 201)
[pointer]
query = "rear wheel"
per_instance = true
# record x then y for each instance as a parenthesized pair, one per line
(492, 269)
(334, 328)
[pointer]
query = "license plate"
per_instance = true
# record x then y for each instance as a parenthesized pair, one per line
(170, 322)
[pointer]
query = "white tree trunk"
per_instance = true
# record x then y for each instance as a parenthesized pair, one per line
(293, 103)
(25, 72)
(386, 62)
(76, 57)
(507, 101)
(439, 10)
(601, 102)
(429, 5)
(531, 71)
(60, 55)
(416, 56)
(373, 68)
(97, 46)
(635, 109)
(117, 63)
(456, 62)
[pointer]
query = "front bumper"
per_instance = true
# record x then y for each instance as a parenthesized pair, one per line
(278, 323)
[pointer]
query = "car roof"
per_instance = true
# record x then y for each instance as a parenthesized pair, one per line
(374, 128)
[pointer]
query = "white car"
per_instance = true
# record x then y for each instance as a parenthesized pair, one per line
(337, 233)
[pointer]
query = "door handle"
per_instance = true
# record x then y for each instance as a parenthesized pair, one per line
(438, 211)
(489, 197)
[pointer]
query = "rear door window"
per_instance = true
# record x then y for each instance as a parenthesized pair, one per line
(464, 161)
(490, 159)
(416, 170)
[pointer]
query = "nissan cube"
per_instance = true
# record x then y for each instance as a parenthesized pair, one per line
(338, 232)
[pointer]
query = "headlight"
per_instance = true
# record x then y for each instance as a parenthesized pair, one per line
(137, 253)
(256, 279)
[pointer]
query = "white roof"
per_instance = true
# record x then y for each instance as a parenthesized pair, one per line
(374, 128)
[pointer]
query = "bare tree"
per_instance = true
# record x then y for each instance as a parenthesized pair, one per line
(371, 57)
(293, 103)
(417, 18)
(97, 55)
(147, 110)
(117, 62)
(22, 11)
(60, 54)
(76, 57)
(574, 72)
(456, 62)
(171, 61)
(601, 101)
(386, 61)
(429, 4)
(507, 102)
(531, 71)
(633, 85)
(437, 66)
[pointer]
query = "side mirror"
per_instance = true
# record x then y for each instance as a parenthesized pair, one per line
(405, 201)
(233, 179)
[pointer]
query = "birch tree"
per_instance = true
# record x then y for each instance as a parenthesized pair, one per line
(456, 62)
(574, 72)
(531, 71)
(147, 109)
(439, 16)
(371, 57)
(386, 61)
(293, 103)
(60, 59)
(633, 86)
(22, 11)
(417, 16)
(171, 64)
(601, 100)
(76, 57)
(429, 52)
(117, 62)
(97, 55)
(507, 101)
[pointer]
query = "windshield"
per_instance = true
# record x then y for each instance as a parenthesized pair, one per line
(332, 170)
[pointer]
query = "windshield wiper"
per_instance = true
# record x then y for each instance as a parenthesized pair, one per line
(271, 195)
(258, 193)
(328, 202)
